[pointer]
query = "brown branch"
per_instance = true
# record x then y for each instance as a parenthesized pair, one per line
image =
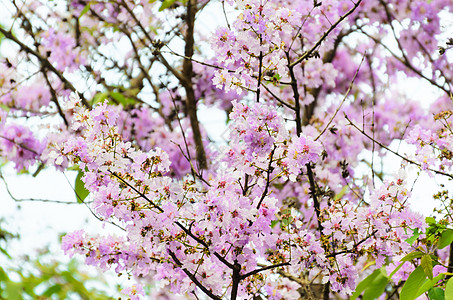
(187, 231)
(314, 195)
(405, 62)
(195, 60)
(187, 70)
(44, 62)
(350, 251)
(296, 96)
(20, 145)
(264, 269)
(268, 179)
(278, 98)
(391, 151)
(137, 191)
(193, 278)
(54, 97)
(236, 277)
(308, 53)
(260, 67)
(341, 103)
(31, 199)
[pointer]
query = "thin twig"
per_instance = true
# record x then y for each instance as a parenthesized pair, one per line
(308, 53)
(264, 269)
(341, 103)
(268, 171)
(187, 231)
(396, 153)
(44, 62)
(192, 277)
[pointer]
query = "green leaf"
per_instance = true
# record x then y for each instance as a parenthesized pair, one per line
(414, 237)
(377, 287)
(412, 255)
(428, 284)
(276, 77)
(4, 106)
(79, 188)
(13, 290)
(341, 193)
(427, 265)
(166, 4)
(445, 239)
(120, 99)
(287, 221)
(54, 289)
(99, 97)
(408, 257)
(436, 294)
(85, 10)
(373, 285)
(430, 220)
(3, 275)
(449, 290)
(364, 284)
(413, 282)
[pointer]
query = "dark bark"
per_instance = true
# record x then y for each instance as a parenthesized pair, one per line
(191, 102)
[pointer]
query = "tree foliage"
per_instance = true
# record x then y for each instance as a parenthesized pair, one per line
(296, 202)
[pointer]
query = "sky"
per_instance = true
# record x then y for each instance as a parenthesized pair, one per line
(40, 223)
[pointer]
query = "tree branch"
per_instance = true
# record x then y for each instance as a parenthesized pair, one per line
(264, 269)
(193, 278)
(187, 71)
(396, 153)
(308, 53)
(44, 62)
(341, 103)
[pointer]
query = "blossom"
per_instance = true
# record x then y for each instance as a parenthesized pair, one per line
(134, 292)
(73, 240)
(301, 150)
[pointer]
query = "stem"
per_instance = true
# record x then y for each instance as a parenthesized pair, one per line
(258, 90)
(296, 95)
(187, 231)
(236, 279)
(341, 103)
(193, 278)
(44, 63)
(187, 83)
(264, 269)
(314, 195)
(396, 153)
(268, 171)
(308, 53)
(326, 292)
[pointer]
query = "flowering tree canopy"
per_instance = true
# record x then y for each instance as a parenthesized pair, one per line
(295, 203)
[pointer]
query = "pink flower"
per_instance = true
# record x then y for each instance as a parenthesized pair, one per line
(73, 240)
(301, 150)
(134, 292)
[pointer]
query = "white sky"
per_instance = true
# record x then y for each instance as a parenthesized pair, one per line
(40, 223)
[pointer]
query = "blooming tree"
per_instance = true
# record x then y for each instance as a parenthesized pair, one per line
(281, 210)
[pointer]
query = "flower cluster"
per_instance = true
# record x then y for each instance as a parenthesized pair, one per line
(60, 48)
(258, 127)
(378, 228)
(282, 210)
(19, 145)
(434, 148)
